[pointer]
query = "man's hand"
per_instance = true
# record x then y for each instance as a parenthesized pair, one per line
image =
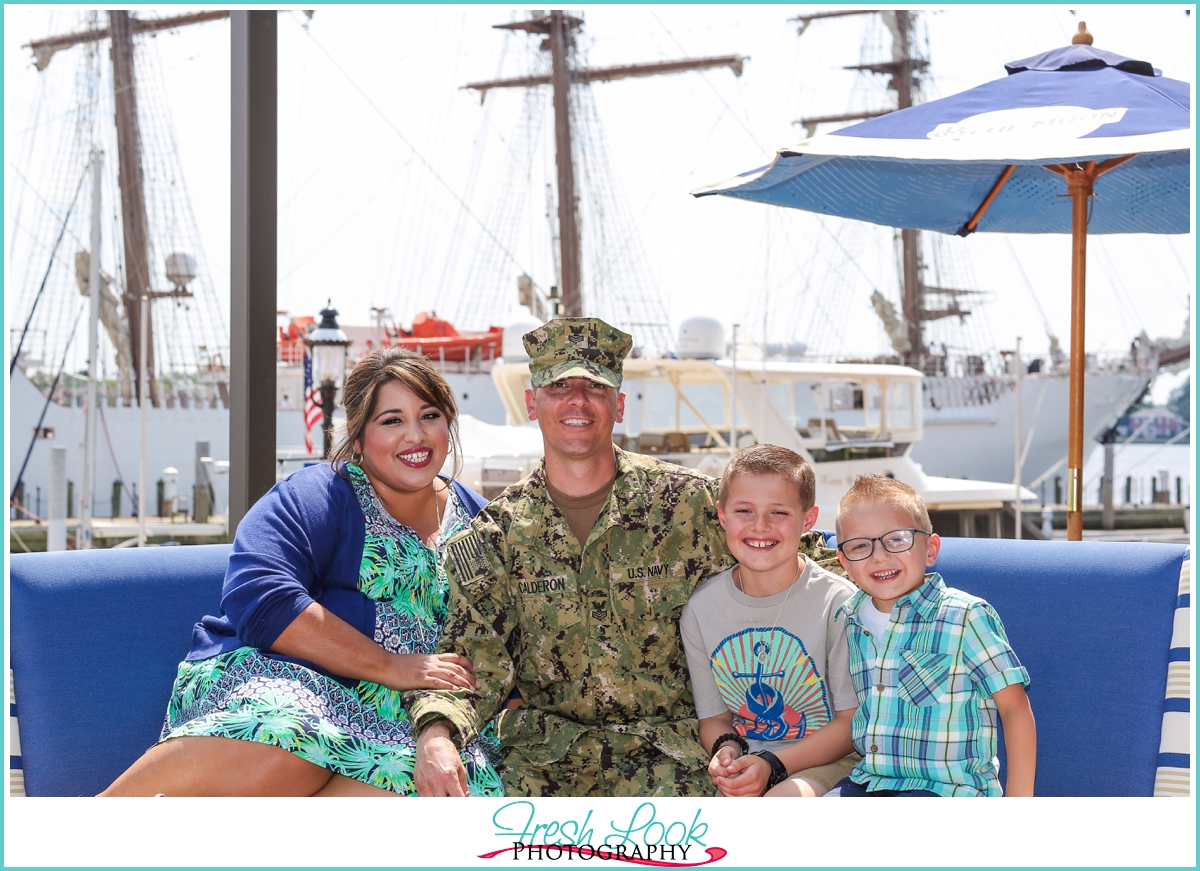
(745, 775)
(439, 770)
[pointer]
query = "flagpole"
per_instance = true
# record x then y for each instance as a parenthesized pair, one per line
(143, 377)
(84, 539)
(1017, 445)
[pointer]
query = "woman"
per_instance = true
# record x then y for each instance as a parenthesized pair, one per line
(332, 606)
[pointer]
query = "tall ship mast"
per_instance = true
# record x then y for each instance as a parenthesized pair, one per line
(906, 328)
(569, 78)
(100, 98)
(135, 275)
(970, 393)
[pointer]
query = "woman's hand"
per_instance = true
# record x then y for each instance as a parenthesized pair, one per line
(441, 671)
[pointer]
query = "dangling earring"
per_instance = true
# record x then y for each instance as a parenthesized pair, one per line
(356, 458)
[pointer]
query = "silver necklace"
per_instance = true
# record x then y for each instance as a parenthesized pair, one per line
(437, 513)
(737, 580)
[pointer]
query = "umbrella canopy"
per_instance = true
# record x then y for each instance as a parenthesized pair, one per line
(931, 166)
(1114, 129)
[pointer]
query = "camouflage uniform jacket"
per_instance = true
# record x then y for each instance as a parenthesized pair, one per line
(589, 636)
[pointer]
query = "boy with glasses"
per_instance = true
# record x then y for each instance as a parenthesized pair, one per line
(931, 665)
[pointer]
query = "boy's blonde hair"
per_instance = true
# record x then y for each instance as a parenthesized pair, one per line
(876, 489)
(773, 460)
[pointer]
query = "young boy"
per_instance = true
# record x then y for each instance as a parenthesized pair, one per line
(769, 666)
(931, 664)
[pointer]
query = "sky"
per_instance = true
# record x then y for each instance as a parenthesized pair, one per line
(399, 189)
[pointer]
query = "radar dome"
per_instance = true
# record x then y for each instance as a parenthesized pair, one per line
(512, 349)
(701, 339)
(181, 268)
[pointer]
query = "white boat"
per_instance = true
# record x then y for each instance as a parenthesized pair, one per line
(172, 434)
(847, 419)
(970, 421)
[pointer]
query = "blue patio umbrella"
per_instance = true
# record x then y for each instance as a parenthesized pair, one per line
(995, 159)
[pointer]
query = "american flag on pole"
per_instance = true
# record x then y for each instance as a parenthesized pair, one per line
(312, 403)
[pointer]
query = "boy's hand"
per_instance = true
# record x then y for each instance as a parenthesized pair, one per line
(720, 765)
(745, 775)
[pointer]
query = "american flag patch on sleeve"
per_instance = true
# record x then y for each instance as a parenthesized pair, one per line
(466, 550)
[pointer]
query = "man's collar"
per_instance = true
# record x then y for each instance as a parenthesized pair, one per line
(629, 491)
(627, 504)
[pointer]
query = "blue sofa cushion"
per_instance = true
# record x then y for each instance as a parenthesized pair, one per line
(96, 638)
(1092, 622)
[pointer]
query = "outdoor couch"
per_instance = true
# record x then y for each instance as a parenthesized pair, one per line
(1101, 627)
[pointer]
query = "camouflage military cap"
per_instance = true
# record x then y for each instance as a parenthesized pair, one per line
(577, 348)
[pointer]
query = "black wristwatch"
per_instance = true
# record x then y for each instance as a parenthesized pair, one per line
(779, 772)
(729, 737)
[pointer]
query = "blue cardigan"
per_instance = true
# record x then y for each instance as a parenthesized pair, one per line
(301, 543)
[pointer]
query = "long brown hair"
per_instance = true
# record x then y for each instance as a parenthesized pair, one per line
(413, 371)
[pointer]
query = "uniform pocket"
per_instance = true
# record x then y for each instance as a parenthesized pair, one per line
(548, 605)
(640, 599)
(925, 677)
(537, 737)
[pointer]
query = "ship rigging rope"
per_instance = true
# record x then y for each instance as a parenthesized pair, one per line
(1029, 286)
(798, 300)
(49, 398)
(379, 191)
(29, 515)
(17, 225)
(176, 229)
(619, 278)
(300, 140)
(507, 205)
(720, 96)
(42, 288)
(507, 201)
(112, 455)
(1120, 291)
(31, 144)
(440, 119)
(420, 157)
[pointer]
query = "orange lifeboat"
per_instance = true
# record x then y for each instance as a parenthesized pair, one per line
(437, 339)
(290, 342)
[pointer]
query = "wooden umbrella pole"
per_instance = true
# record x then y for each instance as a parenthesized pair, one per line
(1079, 185)
(1080, 182)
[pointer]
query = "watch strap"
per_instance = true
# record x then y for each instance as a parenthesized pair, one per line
(779, 772)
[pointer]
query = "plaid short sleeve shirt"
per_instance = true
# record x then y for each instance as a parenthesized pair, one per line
(926, 719)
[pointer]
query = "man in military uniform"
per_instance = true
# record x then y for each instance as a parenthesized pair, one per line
(568, 588)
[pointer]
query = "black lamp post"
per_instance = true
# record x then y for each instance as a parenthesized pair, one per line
(327, 346)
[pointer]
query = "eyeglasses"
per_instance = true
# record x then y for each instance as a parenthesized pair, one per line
(896, 541)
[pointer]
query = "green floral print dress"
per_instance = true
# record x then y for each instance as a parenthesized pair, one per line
(361, 731)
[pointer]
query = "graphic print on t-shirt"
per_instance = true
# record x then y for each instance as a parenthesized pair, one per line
(769, 681)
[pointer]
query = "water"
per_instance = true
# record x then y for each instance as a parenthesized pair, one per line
(1171, 465)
